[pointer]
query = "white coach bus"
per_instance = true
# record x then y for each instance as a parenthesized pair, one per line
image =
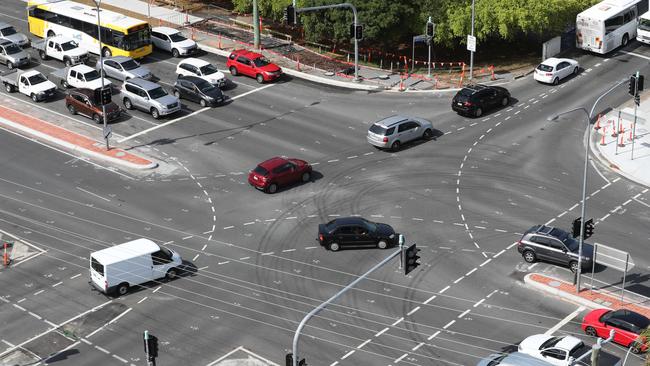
(643, 28)
(608, 25)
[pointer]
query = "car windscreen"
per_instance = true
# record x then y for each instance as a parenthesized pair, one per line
(69, 45)
(466, 92)
(644, 24)
(571, 243)
(36, 79)
(261, 61)
(545, 68)
(177, 37)
(378, 129)
(8, 31)
(204, 86)
(157, 93)
(167, 252)
(261, 171)
(208, 69)
(91, 75)
(12, 49)
(130, 64)
(550, 342)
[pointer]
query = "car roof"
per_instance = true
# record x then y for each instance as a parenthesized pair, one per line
(273, 163)
(351, 220)
(85, 91)
(194, 61)
(553, 61)
(119, 59)
(513, 359)
(5, 25)
(29, 73)
(125, 251)
(391, 121)
(144, 84)
(247, 53)
(191, 78)
(82, 68)
(547, 230)
(165, 30)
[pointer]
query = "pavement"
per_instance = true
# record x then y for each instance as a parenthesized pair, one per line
(622, 145)
(72, 141)
(592, 298)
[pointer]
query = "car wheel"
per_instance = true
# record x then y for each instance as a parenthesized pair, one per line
(591, 331)
(203, 103)
(478, 112)
(34, 97)
(306, 176)
(175, 53)
(556, 81)
(575, 71)
(260, 78)
(382, 244)
(171, 274)
(9, 88)
(334, 247)
(395, 146)
(10, 65)
(42, 55)
(107, 52)
(529, 256)
(72, 109)
(427, 135)
(122, 289)
(154, 113)
(573, 266)
(65, 84)
(635, 347)
(127, 103)
(233, 71)
(97, 118)
(505, 101)
(177, 94)
(625, 39)
(272, 188)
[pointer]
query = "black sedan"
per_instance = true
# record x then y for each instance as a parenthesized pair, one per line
(198, 90)
(475, 99)
(355, 232)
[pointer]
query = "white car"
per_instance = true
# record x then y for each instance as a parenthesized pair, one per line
(555, 350)
(172, 40)
(552, 70)
(202, 69)
(84, 76)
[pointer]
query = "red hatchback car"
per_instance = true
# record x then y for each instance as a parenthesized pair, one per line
(275, 172)
(626, 325)
(252, 64)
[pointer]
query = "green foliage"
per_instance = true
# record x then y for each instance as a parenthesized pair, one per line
(387, 23)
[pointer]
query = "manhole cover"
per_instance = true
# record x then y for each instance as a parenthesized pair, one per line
(329, 73)
(554, 284)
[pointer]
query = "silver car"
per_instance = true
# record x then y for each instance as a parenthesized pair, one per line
(12, 55)
(8, 32)
(392, 132)
(148, 96)
(124, 68)
(172, 40)
(512, 359)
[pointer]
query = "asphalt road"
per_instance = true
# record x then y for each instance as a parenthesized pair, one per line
(255, 268)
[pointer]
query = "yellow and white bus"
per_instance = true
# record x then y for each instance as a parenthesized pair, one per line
(121, 35)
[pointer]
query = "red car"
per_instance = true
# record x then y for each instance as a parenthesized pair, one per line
(275, 172)
(626, 325)
(254, 65)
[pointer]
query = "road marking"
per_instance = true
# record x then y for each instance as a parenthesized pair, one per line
(444, 289)
(433, 335)
(93, 194)
(119, 358)
(102, 349)
(188, 237)
(347, 354)
(463, 314)
(381, 332)
(641, 202)
(498, 254)
(38, 292)
(400, 358)
(288, 250)
(35, 315)
(478, 303)
(195, 257)
(635, 55)
(565, 320)
(364, 343)
(429, 299)
(156, 289)
(472, 271)
(418, 346)
(56, 284)
(449, 324)
(459, 279)
(141, 300)
(486, 262)
(75, 276)
(228, 227)
(397, 321)
(413, 311)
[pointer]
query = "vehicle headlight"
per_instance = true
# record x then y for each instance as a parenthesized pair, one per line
(391, 236)
(41, 93)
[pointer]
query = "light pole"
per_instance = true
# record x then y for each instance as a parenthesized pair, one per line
(101, 74)
(256, 26)
(589, 116)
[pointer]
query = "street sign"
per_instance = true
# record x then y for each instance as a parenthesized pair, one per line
(471, 43)
(108, 131)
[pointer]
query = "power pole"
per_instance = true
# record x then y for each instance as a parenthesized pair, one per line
(256, 26)
(471, 52)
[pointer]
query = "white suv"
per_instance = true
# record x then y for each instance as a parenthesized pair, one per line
(201, 69)
(392, 132)
(172, 40)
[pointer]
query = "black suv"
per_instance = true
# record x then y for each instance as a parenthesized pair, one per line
(476, 99)
(198, 90)
(551, 244)
(355, 231)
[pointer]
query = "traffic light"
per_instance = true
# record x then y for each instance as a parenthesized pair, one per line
(575, 229)
(640, 83)
(430, 29)
(106, 95)
(290, 14)
(352, 31)
(358, 32)
(632, 85)
(411, 259)
(589, 228)
(302, 362)
(289, 360)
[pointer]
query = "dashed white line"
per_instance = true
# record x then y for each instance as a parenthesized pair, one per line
(102, 349)
(486, 262)
(418, 346)
(398, 321)
(228, 227)
(38, 292)
(498, 254)
(347, 354)
(444, 289)
(381, 332)
(429, 299)
(35, 315)
(449, 324)
(472, 271)
(288, 250)
(364, 343)
(463, 314)
(195, 257)
(433, 335)
(143, 299)
(188, 237)
(413, 311)
(459, 279)
(478, 303)
(56, 284)
(400, 358)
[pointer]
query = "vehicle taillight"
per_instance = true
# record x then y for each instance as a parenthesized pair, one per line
(320, 237)
(520, 244)
(467, 104)
(105, 284)
(385, 139)
(549, 74)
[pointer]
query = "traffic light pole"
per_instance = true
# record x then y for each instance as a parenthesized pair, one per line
(636, 95)
(101, 74)
(256, 26)
(320, 307)
(356, 41)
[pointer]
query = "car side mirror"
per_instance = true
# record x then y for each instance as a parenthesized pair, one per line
(146, 98)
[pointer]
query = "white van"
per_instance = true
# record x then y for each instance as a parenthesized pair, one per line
(117, 268)
(643, 28)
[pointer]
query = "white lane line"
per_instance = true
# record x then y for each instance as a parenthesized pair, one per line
(56, 284)
(397, 321)
(626, 202)
(102, 349)
(75, 276)
(459, 279)
(196, 256)
(418, 346)
(244, 258)
(565, 320)
(334, 363)
(604, 217)
(472, 271)
(381, 332)
(35, 315)
(429, 299)
(93, 194)
(400, 358)
(228, 227)
(449, 324)
(501, 230)
(119, 358)
(364, 343)
(188, 237)
(433, 335)
(635, 54)
(562, 214)
(268, 253)
(478, 303)
(413, 311)
(444, 289)
(512, 245)
(463, 314)
(498, 254)
(288, 250)
(156, 289)
(249, 223)
(347, 354)
(221, 263)
(641, 202)
(205, 246)
(190, 115)
(486, 262)
(143, 299)
(308, 248)
(38, 292)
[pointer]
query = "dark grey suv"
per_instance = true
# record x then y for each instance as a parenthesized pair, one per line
(551, 244)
